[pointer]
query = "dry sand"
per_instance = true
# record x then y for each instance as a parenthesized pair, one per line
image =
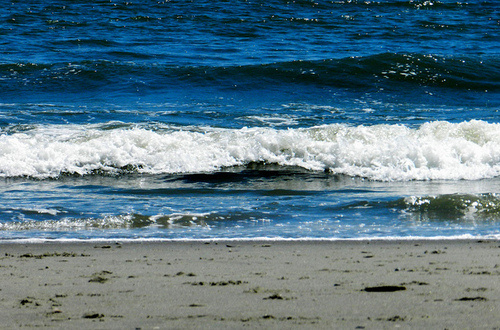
(197, 285)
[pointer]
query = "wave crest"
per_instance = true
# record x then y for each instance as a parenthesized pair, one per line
(435, 150)
(383, 69)
(453, 207)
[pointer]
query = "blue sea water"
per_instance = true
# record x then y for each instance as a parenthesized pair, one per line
(274, 119)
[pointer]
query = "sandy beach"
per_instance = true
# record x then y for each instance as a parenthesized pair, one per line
(199, 285)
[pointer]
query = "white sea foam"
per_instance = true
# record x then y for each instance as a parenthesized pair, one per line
(108, 222)
(436, 150)
(463, 237)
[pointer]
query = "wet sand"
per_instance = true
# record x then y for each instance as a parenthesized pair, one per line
(197, 285)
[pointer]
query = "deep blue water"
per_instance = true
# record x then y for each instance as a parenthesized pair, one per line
(249, 119)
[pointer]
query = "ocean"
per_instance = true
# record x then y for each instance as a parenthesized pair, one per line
(175, 120)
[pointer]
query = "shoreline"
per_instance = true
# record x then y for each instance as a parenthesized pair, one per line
(256, 240)
(252, 284)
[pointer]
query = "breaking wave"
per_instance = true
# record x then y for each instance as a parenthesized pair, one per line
(436, 150)
(453, 207)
